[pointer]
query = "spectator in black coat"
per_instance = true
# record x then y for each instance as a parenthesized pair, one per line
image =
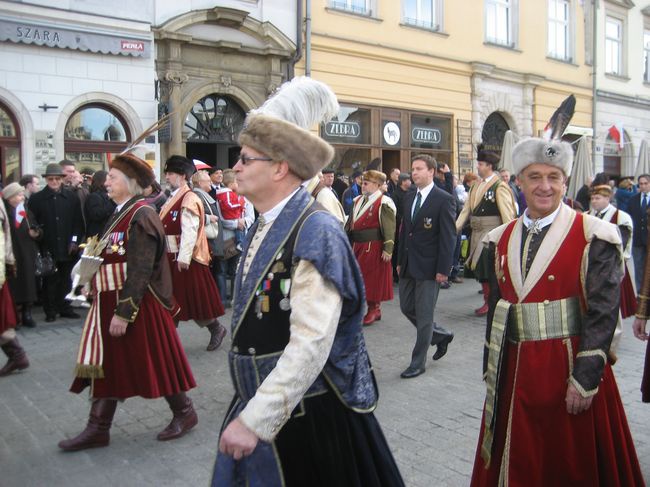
(58, 211)
(99, 207)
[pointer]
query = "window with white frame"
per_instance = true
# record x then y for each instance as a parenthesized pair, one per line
(646, 55)
(362, 7)
(613, 45)
(500, 22)
(559, 29)
(423, 13)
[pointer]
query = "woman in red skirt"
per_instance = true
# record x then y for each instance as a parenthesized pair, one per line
(129, 345)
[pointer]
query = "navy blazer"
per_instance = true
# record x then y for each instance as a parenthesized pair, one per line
(640, 221)
(427, 244)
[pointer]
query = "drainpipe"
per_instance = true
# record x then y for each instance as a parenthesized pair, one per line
(308, 38)
(298, 54)
(594, 73)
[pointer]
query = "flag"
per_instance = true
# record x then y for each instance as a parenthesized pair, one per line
(616, 134)
(20, 214)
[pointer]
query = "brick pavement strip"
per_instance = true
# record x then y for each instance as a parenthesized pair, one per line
(431, 422)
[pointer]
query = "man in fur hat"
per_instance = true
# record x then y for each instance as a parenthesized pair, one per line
(304, 389)
(553, 414)
(129, 345)
(8, 318)
(489, 204)
(371, 227)
(183, 219)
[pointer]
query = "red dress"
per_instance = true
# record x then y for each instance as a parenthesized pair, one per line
(536, 441)
(8, 318)
(149, 360)
(377, 274)
(194, 288)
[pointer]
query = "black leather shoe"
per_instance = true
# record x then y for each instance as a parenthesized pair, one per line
(445, 285)
(50, 318)
(441, 349)
(69, 314)
(411, 372)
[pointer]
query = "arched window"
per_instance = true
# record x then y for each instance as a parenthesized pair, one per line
(494, 129)
(93, 135)
(9, 146)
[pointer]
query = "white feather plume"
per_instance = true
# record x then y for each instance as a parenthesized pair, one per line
(302, 101)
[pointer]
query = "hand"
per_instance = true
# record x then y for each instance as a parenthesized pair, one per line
(214, 218)
(575, 403)
(398, 268)
(638, 327)
(182, 266)
(237, 440)
(34, 233)
(440, 278)
(446, 169)
(241, 224)
(118, 327)
(73, 248)
(385, 256)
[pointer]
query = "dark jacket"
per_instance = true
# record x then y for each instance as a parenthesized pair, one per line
(23, 286)
(427, 244)
(348, 197)
(446, 185)
(583, 196)
(59, 214)
(640, 221)
(99, 208)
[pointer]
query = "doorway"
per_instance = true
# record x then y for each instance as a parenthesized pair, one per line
(390, 159)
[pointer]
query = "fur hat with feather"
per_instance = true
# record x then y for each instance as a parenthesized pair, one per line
(550, 149)
(280, 127)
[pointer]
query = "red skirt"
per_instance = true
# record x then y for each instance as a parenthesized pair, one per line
(377, 274)
(195, 292)
(8, 318)
(544, 445)
(147, 361)
(628, 296)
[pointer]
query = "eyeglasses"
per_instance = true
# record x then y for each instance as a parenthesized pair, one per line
(245, 159)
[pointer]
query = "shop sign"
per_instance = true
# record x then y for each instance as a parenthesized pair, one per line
(42, 34)
(343, 129)
(392, 133)
(424, 135)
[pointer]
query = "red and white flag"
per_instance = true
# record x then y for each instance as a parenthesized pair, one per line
(616, 134)
(20, 214)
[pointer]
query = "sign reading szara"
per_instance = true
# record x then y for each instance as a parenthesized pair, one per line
(343, 129)
(424, 135)
(16, 31)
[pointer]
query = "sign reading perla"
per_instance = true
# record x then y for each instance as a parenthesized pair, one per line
(426, 135)
(343, 129)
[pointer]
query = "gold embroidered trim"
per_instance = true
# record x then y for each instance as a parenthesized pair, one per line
(593, 353)
(505, 460)
(583, 392)
(569, 348)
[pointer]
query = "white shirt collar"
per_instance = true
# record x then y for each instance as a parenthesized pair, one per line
(119, 207)
(272, 214)
(173, 193)
(488, 178)
(425, 191)
(541, 222)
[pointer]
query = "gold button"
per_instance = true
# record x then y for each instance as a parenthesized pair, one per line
(503, 279)
(546, 301)
(551, 277)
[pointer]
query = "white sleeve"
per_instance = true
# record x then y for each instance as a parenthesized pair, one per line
(315, 311)
(190, 224)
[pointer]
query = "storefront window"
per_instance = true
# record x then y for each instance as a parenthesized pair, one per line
(93, 135)
(429, 132)
(351, 126)
(9, 147)
(350, 159)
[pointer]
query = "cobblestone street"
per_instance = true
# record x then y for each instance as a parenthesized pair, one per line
(431, 422)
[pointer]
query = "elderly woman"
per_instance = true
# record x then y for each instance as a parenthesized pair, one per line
(129, 344)
(8, 341)
(23, 239)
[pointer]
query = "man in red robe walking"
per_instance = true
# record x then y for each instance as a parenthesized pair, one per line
(129, 345)
(371, 227)
(183, 220)
(553, 414)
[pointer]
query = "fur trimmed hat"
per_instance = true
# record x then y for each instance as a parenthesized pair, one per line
(492, 158)
(535, 150)
(180, 165)
(373, 176)
(305, 152)
(280, 127)
(12, 190)
(602, 189)
(134, 168)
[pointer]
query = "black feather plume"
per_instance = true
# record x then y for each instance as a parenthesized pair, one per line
(560, 119)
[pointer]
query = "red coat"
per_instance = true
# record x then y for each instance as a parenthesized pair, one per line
(377, 274)
(231, 205)
(536, 442)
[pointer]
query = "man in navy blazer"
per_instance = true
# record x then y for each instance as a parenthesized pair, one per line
(427, 240)
(639, 213)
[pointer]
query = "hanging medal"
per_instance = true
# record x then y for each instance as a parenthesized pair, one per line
(114, 246)
(258, 304)
(174, 215)
(121, 250)
(285, 287)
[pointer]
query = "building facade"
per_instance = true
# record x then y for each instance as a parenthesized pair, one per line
(441, 77)
(82, 79)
